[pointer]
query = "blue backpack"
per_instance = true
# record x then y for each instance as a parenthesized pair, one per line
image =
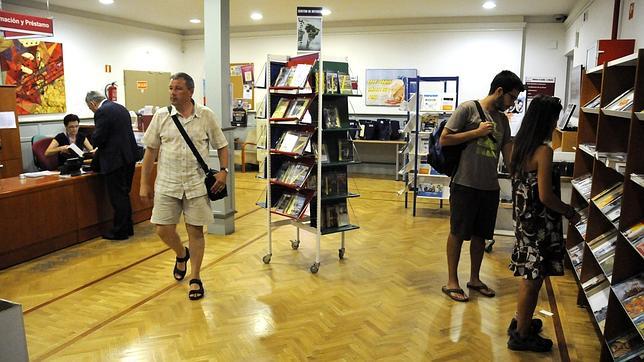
(445, 159)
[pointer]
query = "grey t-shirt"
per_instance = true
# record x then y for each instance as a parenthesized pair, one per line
(479, 159)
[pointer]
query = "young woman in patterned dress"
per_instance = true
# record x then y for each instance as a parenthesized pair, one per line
(538, 250)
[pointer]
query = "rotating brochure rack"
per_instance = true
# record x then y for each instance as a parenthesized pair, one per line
(309, 149)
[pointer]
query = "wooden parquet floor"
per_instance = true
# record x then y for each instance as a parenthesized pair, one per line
(105, 301)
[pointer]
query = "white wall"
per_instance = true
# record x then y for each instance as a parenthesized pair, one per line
(598, 25)
(88, 45)
(632, 28)
(545, 54)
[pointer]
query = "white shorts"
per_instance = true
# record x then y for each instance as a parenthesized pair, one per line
(167, 210)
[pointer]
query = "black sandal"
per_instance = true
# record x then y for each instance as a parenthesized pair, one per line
(196, 293)
(181, 273)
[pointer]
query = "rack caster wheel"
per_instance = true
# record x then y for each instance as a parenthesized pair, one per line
(295, 244)
(488, 245)
(267, 258)
(341, 253)
(315, 267)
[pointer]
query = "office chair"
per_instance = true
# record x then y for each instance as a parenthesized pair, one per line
(40, 160)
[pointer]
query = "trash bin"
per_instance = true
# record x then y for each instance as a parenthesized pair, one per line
(13, 344)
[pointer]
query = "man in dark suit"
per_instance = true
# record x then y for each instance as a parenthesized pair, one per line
(114, 139)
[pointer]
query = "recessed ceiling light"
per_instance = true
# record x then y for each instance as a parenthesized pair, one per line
(326, 12)
(195, 21)
(106, 2)
(489, 5)
(256, 16)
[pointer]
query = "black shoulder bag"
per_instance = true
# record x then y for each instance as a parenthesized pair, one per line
(210, 173)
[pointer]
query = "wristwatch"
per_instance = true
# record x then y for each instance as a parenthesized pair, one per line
(224, 169)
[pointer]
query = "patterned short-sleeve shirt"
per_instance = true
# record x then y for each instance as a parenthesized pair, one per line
(178, 171)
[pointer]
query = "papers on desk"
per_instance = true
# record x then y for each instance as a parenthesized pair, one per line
(7, 120)
(39, 174)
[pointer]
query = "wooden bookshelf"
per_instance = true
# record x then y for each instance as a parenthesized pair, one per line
(611, 132)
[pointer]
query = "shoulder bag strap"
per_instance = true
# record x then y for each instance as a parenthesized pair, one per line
(203, 164)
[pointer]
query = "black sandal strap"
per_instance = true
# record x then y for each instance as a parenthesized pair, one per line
(185, 258)
(196, 293)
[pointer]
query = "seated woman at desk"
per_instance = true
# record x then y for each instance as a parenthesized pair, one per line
(60, 144)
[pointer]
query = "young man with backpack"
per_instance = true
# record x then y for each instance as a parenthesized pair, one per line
(474, 191)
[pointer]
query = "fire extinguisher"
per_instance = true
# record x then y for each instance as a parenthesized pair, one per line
(110, 91)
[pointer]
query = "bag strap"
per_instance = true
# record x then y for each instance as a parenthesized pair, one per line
(484, 119)
(202, 163)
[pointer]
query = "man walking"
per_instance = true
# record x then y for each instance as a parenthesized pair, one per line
(116, 157)
(474, 191)
(179, 186)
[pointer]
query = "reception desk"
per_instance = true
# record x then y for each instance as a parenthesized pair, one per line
(41, 215)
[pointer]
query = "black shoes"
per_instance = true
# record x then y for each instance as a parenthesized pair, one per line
(111, 236)
(180, 274)
(197, 293)
(531, 342)
(536, 325)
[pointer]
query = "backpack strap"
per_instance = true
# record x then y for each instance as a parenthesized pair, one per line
(484, 119)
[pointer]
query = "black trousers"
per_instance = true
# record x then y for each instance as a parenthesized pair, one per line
(119, 184)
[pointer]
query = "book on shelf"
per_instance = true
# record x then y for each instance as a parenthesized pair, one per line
(331, 117)
(293, 142)
(291, 204)
(583, 222)
(583, 184)
(324, 157)
(593, 103)
(629, 346)
(598, 301)
(576, 254)
(431, 190)
(593, 282)
(345, 150)
(345, 83)
(635, 308)
(622, 101)
(605, 245)
(566, 116)
(635, 233)
(335, 215)
(334, 183)
(630, 287)
(293, 173)
(282, 77)
(607, 264)
(297, 107)
(280, 109)
(588, 148)
(299, 76)
(332, 86)
(608, 195)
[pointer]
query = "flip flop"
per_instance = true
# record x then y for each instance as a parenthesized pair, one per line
(483, 289)
(452, 293)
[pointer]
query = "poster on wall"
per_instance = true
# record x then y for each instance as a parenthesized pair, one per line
(309, 29)
(36, 69)
(533, 86)
(386, 87)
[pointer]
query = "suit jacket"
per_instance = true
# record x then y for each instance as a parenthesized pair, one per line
(114, 137)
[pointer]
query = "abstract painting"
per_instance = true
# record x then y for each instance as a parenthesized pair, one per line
(36, 69)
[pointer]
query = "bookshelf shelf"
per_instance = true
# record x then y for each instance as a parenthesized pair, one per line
(620, 114)
(417, 131)
(312, 194)
(640, 115)
(616, 140)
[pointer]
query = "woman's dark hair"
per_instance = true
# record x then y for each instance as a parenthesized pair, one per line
(70, 118)
(537, 126)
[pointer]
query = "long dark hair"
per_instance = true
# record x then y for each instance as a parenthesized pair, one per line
(537, 126)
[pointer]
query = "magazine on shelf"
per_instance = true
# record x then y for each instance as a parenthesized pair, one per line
(576, 254)
(630, 287)
(331, 117)
(335, 215)
(607, 263)
(297, 107)
(593, 282)
(613, 210)
(598, 301)
(300, 75)
(565, 116)
(294, 209)
(332, 86)
(622, 101)
(593, 103)
(628, 346)
(607, 196)
(324, 157)
(345, 83)
(604, 247)
(345, 150)
(635, 233)
(293, 141)
(635, 307)
(280, 109)
(282, 77)
(583, 184)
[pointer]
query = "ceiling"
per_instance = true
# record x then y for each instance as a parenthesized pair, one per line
(173, 15)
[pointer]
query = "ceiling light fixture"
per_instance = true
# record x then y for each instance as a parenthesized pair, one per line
(256, 16)
(106, 2)
(195, 21)
(489, 5)
(326, 12)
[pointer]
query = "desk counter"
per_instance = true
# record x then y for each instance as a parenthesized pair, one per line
(45, 214)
